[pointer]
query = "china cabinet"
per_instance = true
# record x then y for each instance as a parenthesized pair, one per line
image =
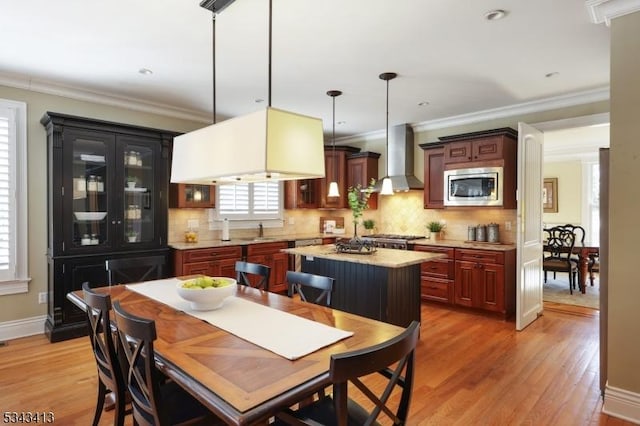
(107, 198)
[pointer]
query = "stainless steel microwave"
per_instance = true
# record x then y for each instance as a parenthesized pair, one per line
(480, 186)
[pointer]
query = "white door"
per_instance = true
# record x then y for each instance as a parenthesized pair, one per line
(529, 226)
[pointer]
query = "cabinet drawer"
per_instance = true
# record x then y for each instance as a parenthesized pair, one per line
(437, 290)
(215, 253)
(480, 256)
(437, 268)
(431, 249)
(196, 268)
(265, 248)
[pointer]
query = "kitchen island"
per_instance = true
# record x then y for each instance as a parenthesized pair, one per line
(384, 285)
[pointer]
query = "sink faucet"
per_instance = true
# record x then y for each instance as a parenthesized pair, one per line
(260, 230)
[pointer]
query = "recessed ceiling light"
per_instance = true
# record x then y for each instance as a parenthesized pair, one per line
(340, 123)
(423, 103)
(259, 101)
(145, 71)
(551, 74)
(494, 15)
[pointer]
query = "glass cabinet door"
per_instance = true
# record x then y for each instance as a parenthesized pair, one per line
(138, 193)
(88, 216)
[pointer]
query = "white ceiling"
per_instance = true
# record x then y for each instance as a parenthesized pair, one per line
(444, 51)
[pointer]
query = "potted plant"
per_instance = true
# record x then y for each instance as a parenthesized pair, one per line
(369, 225)
(435, 228)
(358, 199)
(132, 236)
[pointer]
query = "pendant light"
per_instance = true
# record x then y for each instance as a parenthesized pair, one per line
(387, 187)
(333, 186)
(283, 145)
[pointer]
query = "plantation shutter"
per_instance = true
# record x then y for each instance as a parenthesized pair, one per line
(7, 194)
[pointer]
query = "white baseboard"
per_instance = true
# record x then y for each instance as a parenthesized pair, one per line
(622, 404)
(22, 328)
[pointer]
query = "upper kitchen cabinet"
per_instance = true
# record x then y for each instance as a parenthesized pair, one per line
(433, 175)
(335, 164)
(185, 195)
(361, 168)
(498, 144)
(302, 194)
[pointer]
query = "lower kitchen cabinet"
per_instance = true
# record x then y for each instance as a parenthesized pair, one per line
(485, 279)
(269, 254)
(437, 276)
(69, 272)
(213, 261)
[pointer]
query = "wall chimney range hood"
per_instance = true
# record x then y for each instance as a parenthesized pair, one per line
(400, 161)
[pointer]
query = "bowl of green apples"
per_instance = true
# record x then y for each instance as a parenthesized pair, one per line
(207, 293)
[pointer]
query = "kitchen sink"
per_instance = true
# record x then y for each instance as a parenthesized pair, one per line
(259, 239)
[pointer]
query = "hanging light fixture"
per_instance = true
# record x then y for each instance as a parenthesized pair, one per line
(387, 186)
(333, 186)
(270, 144)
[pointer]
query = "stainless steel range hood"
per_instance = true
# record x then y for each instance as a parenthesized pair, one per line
(400, 160)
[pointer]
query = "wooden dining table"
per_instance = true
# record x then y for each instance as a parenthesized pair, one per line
(241, 382)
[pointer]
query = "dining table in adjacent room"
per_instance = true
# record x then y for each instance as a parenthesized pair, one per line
(241, 381)
(584, 251)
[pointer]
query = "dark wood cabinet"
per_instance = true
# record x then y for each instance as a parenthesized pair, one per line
(437, 276)
(335, 164)
(107, 198)
(213, 261)
(192, 196)
(480, 149)
(302, 194)
(269, 254)
(361, 168)
(485, 279)
(433, 175)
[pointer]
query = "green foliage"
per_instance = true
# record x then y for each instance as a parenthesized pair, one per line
(358, 199)
(369, 224)
(435, 226)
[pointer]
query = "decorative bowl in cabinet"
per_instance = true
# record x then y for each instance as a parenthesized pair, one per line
(90, 215)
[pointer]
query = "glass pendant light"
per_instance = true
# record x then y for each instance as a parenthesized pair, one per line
(387, 186)
(333, 186)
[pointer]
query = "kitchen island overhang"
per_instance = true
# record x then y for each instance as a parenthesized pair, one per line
(384, 285)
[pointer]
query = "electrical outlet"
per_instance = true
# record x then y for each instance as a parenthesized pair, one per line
(292, 221)
(193, 223)
(42, 298)
(507, 226)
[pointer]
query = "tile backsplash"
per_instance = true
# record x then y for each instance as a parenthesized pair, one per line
(402, 213)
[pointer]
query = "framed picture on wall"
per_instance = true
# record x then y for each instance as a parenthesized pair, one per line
(550, 195)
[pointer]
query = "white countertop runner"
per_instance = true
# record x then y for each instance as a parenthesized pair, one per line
(285, 334)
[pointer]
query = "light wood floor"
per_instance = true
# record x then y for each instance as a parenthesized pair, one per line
(471, 369)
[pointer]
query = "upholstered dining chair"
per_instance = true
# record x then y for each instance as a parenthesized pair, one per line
(110, 371)
(393, 359)
(135, 269)
(298, 281)
(156, 401)
(558, 248)
(253, 274)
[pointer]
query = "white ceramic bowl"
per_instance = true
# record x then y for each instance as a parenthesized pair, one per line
(209, 298)
(90, 215)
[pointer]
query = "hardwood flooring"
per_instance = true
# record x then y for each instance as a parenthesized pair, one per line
(471, 369)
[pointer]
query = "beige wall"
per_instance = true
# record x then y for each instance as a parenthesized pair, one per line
(15, 307)
(624, 204)
(569, 174)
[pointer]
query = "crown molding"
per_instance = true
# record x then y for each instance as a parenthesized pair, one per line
(555, 102)
(605, 10)
(82, 94)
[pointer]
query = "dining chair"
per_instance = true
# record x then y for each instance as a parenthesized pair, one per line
(156, 401)
(110, 372)
(253, 275)
(135, 269)
(559, 244)
(393, 359)
(323, 286)
(594, 266)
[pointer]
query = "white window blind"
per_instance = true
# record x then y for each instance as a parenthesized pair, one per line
(13, 199)
(255, 201)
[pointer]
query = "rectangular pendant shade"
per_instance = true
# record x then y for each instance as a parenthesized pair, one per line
(265, 145)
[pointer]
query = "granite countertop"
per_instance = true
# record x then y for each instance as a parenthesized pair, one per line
(389, 258)
(243, 241)
(464, 244)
